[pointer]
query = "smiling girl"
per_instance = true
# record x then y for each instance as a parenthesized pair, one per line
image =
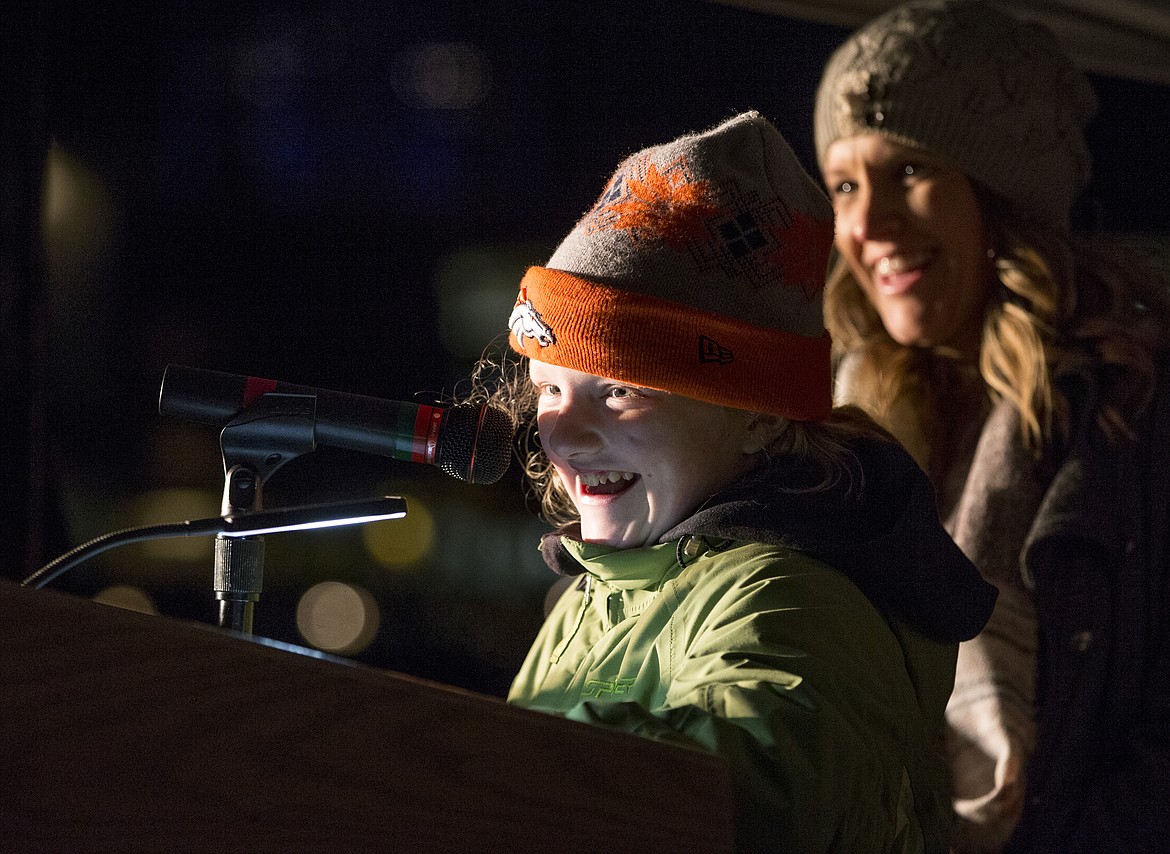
(749, 571)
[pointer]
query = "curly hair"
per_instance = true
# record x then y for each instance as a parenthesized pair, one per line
(500, 379)
(1059, 301)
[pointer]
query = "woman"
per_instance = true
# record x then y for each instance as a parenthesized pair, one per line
(754, 573)
(1025, 370)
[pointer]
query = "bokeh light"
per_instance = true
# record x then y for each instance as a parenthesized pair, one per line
(79, 220)
(402, 543)
(338, 618)
(441, 75)
(477, 288)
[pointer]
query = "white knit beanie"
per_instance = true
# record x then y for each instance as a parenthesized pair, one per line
(994, 95)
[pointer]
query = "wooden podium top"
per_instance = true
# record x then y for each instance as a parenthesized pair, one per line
(126, 732)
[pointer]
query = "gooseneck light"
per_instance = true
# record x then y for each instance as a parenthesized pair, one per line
(253, 524)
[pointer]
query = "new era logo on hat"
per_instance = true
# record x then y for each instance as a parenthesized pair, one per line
(711, 351)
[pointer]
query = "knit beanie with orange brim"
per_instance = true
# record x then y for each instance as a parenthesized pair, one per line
(699, 271)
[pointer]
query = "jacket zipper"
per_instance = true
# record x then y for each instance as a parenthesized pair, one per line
(564, 644)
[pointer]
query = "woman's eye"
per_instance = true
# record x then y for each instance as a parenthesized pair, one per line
(621, 392)
(843, 188)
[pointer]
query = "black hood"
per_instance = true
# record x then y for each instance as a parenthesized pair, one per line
(878, 525)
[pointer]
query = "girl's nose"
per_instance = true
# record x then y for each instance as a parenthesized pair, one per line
(572, 431)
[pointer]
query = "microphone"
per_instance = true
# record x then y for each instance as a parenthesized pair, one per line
(472, 442)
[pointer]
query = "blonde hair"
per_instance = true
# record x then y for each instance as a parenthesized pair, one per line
(1055, 303)
(501, 379)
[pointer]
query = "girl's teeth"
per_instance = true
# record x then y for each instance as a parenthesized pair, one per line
(606, 477)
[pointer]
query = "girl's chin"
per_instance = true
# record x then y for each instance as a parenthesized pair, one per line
(603, 535)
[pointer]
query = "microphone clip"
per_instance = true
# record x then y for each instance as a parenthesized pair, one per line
(272, 430)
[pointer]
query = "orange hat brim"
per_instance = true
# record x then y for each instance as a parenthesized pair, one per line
(651, 342)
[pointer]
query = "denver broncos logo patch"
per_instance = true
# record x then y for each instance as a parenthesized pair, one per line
(526, 322)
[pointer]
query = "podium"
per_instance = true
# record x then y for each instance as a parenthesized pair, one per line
(125, 732)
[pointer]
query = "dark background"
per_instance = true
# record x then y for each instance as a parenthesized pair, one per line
(310, 192)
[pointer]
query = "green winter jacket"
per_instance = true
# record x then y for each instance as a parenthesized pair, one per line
(827, 700)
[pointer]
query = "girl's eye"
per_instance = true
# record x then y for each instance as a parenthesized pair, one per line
(915, 171)
(843, 188)
(548, 388)
(622, 392)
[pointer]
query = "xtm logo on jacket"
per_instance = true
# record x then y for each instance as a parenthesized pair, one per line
(598, 687)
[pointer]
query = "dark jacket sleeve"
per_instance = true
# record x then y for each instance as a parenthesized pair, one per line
(1100, 777)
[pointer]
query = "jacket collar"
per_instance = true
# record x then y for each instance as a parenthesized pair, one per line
(623, 569)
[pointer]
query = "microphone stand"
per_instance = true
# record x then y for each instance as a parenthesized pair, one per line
(272, 430)
(269, 432)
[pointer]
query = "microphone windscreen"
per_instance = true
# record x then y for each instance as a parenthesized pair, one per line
(476, 443)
